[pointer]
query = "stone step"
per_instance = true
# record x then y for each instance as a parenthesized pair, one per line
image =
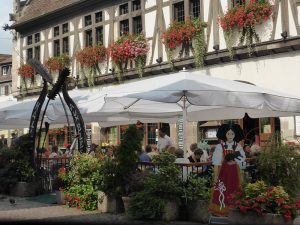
(214, 220)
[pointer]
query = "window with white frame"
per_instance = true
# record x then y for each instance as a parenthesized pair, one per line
(4, 70)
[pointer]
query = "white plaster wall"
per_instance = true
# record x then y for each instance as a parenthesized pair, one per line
(150, 19)
(50, 34)
(71, 43)
(106, 37)
(81, 39)
(71, 26)
(42, 54)
(292, 25)
(167, 16)
(106, 14)
(150, 3)
(80, 24)
(43, 35)
(50, 49)
(116, 35)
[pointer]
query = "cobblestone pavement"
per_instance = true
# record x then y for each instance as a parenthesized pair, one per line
(30, 211)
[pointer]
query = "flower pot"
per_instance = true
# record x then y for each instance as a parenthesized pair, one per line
(171, 211)
(126, 201)
(198, 211)
(236, 217)
(24, 189)
(60, 197)
(106, 203)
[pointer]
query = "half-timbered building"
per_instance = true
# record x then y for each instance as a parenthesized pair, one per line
(49, 28)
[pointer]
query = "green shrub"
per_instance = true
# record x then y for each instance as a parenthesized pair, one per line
(277, 165)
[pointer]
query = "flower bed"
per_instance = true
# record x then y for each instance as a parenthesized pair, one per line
(261, 199)
(129, 47)
(244, 18)
(179, 33)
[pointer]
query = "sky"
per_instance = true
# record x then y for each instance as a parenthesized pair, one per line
(5, 36)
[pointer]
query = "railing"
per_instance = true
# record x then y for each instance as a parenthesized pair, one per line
(48, 169)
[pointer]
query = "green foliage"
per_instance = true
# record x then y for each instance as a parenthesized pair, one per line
(144, 205)
(82, 196)
(126, 156)
(164, 185)
(18, 162)
(83, 180)
(277, 165)
(253, 190)
(197, 188)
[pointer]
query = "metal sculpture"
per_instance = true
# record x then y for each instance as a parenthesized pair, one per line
(60, 85)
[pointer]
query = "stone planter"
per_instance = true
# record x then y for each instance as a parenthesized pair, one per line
(24, 189)
(126, 201)
(236, 217)
(60, 197)
(106, 203)
(171, 211)
(198, 211)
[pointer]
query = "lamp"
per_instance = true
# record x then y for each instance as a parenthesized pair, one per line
(159, 60)
(216, 47)
(284, 35)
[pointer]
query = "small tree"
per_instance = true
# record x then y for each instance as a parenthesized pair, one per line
(277, 165)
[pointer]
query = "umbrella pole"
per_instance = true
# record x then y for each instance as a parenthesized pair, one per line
(184, 125)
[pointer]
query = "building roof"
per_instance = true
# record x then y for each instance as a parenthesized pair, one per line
(4, 58)
(8, 60)
(37, 8)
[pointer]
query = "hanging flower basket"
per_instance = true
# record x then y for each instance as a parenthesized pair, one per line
(129, 47)
(57, 63)
(56, 131)
(183, 33)
(244, 18)
(90, 57)
(26, 72)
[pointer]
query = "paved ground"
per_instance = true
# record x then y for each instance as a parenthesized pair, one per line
(43, 210)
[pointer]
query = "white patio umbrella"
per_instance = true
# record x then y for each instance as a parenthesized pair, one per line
(200, 97)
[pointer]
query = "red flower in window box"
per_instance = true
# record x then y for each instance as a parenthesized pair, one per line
(26, 71)
(57, 63)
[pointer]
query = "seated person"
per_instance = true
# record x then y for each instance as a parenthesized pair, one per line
(196, 156)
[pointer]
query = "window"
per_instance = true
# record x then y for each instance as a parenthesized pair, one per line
(237, 2)
(6, 89)
(37, 38)
(124, 27)
(136, 5)
(152, 133)
(65, 28)
(29, 53)
(65, 45)
(37, 53)
(179, 11)
(88, 20)
(98, 17)
(99, 35)
(112, 135)
(56, 48)
(137, 25)
(56, 31)
(4, 70)
(88, 38)
(195, 8)
(124, 9)
(29, 40)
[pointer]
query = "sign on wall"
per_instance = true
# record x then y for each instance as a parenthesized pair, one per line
(179, 127)
(88, 131)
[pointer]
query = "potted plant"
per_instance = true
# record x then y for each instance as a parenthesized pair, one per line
(91, 57)
(21, 170)
(117, 173)
(244, 18)
(196, 194)
(60, 183)
(277, 165)
(57, 63)
(159, 198)
(262, 204)
(82, 182)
